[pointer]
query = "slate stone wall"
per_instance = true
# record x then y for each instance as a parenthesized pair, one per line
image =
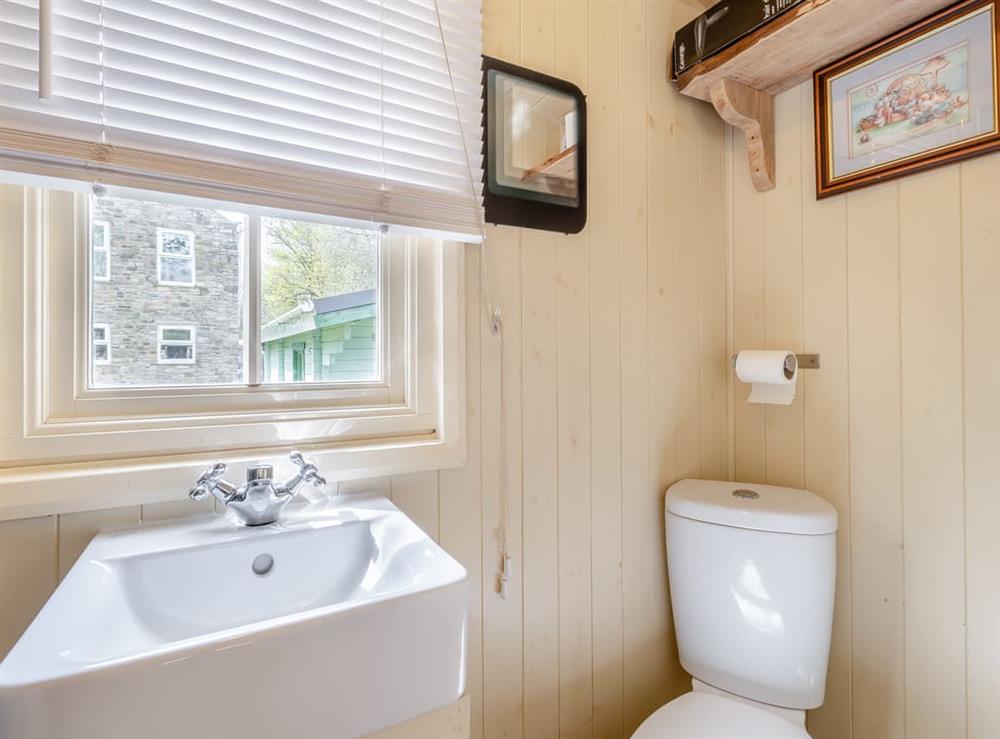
(133, 303)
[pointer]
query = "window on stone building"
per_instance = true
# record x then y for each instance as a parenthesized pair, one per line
(102, 343)
(175, 256)
(100, 249)
(176, 344)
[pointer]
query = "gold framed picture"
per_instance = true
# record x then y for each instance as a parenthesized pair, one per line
(926, 96)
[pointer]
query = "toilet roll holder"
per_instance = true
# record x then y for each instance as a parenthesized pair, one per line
(805, 361)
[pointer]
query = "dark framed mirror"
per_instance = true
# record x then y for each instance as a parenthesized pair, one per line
(535, 140)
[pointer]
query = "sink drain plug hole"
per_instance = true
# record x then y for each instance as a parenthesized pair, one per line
(262, 564)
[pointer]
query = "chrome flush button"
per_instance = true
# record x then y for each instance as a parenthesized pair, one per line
(746, 494)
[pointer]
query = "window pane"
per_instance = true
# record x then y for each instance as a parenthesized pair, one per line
(99, 235)
(176, 334)
(176, 351)
(100, 264)
(319, 302)
(100, 333)
(134, 302)
(176, 269)
(174, 242)
(101, 352)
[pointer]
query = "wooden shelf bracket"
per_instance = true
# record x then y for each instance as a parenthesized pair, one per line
(751, 111)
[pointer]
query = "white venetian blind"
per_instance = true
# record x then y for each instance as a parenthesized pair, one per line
(341, 106)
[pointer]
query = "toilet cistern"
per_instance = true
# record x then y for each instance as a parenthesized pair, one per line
(752, 573)
(259, 501)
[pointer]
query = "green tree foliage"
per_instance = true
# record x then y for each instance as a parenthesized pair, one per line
(305, 260)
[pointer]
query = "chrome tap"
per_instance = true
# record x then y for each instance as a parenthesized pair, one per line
(259, 501)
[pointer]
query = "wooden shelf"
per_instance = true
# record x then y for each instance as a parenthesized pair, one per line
(741, 81)
(562, 165)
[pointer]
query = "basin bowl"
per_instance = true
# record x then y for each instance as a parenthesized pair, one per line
(341, 620)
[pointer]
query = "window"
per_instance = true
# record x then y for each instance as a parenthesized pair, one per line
(372, 142)
(102, 343)
(174, 256)
(175, 344)
(370, 382)
(317, 285)
(100, 249)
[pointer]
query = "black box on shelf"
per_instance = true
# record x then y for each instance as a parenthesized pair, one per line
(720, 26)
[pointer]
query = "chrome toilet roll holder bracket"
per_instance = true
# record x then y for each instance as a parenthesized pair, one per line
(805, 361)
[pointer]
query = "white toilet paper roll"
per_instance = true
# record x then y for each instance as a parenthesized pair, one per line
(772, 375)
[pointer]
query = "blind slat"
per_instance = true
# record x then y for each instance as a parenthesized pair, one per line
(355, 94)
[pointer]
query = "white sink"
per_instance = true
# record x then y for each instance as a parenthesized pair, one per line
(167, 631)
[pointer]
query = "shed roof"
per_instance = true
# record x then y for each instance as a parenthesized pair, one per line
(343, 301)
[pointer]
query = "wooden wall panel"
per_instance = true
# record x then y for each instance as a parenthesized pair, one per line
(416, 494)
(981, 347)
(933, 496)
(782, 299)
(576, 684)
(895, 286)
(606, 368)
(643, 664)
(540, 419)
(77, 529)
(713, 265)
(747, 236)
(503, 665)
(825, 447)
(460, 496)
(875, 440)
(29, 572)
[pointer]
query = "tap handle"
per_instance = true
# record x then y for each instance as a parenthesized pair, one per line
(207, 479)
(307, 470)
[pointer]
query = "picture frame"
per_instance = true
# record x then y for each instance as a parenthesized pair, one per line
(535, 146)
(926, 96)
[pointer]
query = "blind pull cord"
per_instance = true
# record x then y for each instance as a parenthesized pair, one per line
(103, 149)
(495, 318)
(44, 49)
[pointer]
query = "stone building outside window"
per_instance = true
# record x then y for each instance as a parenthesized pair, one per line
(201, 250)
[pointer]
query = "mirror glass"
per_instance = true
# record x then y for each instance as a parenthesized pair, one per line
(534, 154)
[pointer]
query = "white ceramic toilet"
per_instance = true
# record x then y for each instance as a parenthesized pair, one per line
(752, 571)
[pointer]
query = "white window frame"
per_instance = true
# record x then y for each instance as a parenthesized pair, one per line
(61, 429)
(104, 247)
(161, 342)
(160, 254)
(106, 341)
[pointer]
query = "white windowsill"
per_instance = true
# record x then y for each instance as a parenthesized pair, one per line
(69, 488)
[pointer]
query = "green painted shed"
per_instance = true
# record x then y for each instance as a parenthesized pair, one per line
(329, 339)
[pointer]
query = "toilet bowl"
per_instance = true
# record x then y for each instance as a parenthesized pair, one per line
(752, 571)
(705, 714)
